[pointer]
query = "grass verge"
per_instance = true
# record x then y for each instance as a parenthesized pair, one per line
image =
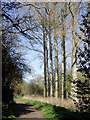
(58, 113)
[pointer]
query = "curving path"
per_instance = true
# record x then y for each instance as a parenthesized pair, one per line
(28, 111)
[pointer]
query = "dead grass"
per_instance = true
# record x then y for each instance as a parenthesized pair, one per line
(68, 103)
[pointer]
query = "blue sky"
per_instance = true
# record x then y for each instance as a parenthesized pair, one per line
(35, 65)
(32, 59)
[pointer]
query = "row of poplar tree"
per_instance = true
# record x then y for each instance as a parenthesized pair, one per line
(59, 19)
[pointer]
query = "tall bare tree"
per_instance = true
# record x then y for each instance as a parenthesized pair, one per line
(56, 51)
(63, 16)
(48, 90)
(45, 55)
(74, 9)
(51, 66)
(74, 51)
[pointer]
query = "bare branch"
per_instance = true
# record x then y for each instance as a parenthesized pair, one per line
(80, 39)
(32, 4)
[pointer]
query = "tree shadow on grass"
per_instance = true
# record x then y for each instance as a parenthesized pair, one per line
(65, 114)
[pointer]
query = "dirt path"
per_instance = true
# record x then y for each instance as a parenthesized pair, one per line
(28, 111)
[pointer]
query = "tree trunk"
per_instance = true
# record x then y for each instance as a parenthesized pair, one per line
(44, 45)
(47, 76)
(63, 68)
(56, 68)
(74, 59)
(75, 44)
(56, 55)
(51, 67)
(63, 13)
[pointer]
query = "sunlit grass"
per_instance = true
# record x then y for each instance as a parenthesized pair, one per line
(67, 103)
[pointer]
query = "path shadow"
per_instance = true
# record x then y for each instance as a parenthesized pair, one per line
(22, 109)
(17, 109)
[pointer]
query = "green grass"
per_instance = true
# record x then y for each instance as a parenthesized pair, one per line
(17, 97)
(57, 113)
